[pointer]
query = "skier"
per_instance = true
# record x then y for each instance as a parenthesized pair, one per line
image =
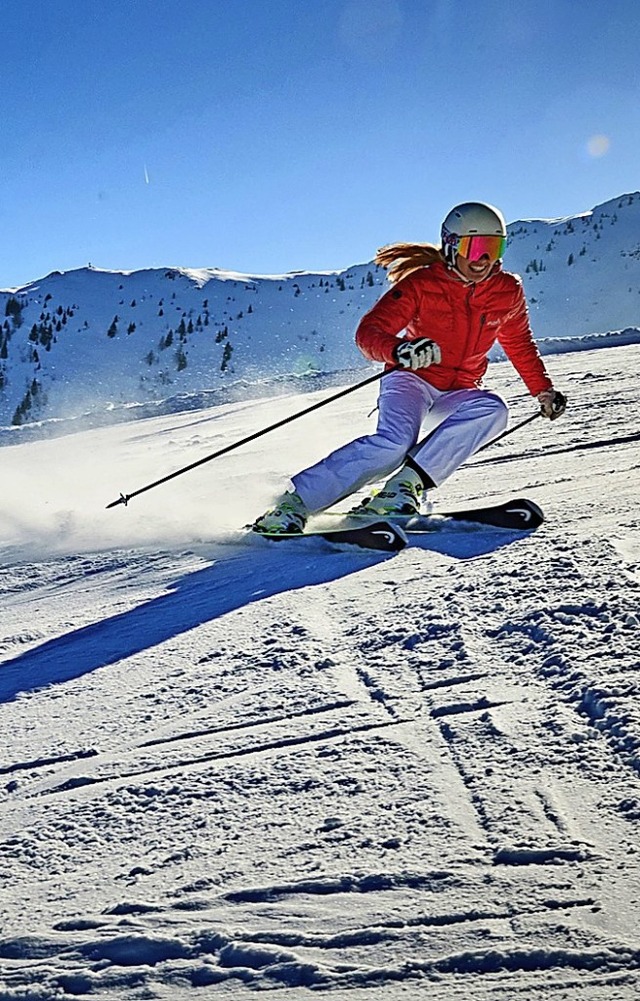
(453, 303)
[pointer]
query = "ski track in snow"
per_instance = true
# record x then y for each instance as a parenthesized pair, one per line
(306, 771)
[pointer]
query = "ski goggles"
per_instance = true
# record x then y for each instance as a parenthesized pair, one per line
(472, 248)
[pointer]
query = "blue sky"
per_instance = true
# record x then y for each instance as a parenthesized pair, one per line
(275, 135)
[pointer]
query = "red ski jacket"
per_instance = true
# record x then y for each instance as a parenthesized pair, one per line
(463, 318)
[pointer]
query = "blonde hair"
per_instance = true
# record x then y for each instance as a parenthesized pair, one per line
(400, 259)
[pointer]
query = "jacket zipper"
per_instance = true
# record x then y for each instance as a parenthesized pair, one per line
(470, 330)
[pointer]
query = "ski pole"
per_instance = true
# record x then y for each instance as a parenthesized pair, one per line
(509, 431)
(125, 498)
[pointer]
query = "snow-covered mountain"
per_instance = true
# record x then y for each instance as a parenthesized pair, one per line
(86, 339)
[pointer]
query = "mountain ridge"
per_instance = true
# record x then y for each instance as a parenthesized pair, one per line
(91, 338)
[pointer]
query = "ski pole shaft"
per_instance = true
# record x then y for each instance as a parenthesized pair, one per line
(125, 498)
(509, 431)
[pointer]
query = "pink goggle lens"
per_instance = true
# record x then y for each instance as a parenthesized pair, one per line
(472, 248)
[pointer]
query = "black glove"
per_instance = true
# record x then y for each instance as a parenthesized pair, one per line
(417, 354)
(552, 403)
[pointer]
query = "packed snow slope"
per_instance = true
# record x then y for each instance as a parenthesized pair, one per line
(230, 766)
(90, 339)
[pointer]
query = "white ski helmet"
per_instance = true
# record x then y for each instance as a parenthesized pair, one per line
(471, 219)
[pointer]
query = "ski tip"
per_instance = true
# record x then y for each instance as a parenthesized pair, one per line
(527, 511)
(385, 536)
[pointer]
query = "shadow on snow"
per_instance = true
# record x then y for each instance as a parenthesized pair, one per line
(227, 584)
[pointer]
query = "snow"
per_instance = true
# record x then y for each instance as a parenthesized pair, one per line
(235, 767)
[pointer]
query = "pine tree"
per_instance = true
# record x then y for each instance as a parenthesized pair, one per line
(226, 356)
(13, 309)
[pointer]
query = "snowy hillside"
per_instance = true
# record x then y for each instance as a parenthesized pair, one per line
(89, 339)
(232, 767)
(581, 274)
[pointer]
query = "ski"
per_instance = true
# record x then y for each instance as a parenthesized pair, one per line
(521, 515)
(390, 536)
(380, 535)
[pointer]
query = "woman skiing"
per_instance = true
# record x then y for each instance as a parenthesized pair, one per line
(452, 303)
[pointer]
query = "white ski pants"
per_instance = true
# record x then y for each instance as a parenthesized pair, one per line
(459, 422)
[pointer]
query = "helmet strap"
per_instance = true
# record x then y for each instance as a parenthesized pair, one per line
(449, 252)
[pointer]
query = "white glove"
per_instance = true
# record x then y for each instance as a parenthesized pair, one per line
(552, 403)
(417, 354)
